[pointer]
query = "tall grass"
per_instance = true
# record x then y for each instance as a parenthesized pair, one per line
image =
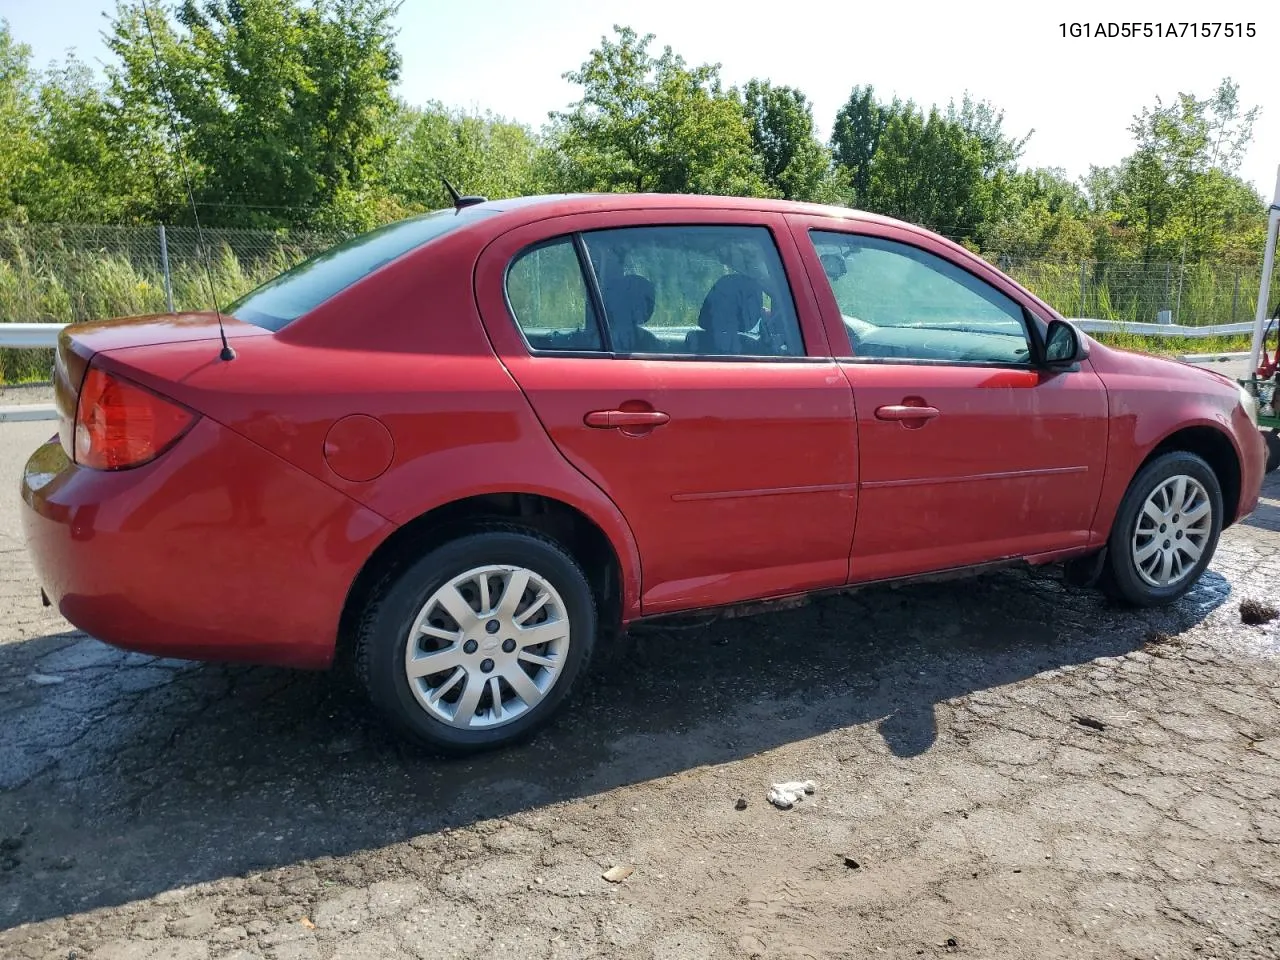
(1176, 346)
(64, 284)
(1195, 295)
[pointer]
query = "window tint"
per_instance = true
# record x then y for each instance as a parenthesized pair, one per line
(549, 298)
(295, 292)
(694, 290)
(901, 302)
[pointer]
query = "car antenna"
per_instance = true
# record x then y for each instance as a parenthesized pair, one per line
(226, 353)
(459, 201)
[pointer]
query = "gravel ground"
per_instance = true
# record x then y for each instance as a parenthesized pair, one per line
(1005, 768)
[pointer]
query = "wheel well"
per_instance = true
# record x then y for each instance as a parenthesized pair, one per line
(568, 526)
(1214, 447)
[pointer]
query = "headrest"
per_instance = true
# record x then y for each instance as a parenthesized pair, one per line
(629, 299)
(733, 305)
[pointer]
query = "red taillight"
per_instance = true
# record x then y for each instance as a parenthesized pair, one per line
(120, 424)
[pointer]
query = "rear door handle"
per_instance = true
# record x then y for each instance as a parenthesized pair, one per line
(608, 419)
(903, 411)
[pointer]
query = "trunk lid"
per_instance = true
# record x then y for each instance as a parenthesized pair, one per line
(78, 343)
(97, 336)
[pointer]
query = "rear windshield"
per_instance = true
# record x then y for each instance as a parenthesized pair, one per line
(303, 288)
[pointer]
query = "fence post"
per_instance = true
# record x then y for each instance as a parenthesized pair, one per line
(1235, 296)
(1084, 279)
(164, 268)
(1177, 308)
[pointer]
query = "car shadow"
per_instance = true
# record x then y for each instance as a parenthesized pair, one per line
(126, 776)
(1266, 515)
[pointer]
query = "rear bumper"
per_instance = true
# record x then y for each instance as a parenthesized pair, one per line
(217, 550)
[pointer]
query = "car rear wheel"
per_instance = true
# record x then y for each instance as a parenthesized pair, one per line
(478, 643)
(1165, 532)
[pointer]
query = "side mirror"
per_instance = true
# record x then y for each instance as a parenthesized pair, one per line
(1063, 345)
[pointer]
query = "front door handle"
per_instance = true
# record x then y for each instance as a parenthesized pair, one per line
(904, 411)
(611, 419)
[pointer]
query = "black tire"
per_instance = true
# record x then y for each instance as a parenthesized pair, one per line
(383, 633)
(1121, 578)
(1273, 449)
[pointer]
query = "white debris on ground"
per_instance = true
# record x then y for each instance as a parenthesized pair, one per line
(785, 795)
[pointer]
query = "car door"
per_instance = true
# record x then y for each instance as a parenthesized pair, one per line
(970, 450)
(668, 363)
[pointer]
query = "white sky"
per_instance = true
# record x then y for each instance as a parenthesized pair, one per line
(1078, 94)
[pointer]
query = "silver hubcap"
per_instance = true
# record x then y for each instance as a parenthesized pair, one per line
(1172, 531)
(487, 646)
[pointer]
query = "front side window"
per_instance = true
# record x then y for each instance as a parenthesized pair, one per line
(694, 291)
(899, 302)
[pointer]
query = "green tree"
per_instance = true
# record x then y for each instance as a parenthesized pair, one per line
(478, 153)
(140, 114)
(60, 158)
(855, 137)
(350, 54)
(282, 105)
(82, 179)
(984, 122)
(1045, 215)
(795, 165)
(928, 170)
(647, 123)
(21, 151)
(1213, 135)
(1143, 200)
(1179, 192)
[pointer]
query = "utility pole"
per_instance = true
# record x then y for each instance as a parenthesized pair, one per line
(1264, 287)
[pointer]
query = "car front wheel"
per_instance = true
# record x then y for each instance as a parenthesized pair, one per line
(1165, 532)
(477, 643)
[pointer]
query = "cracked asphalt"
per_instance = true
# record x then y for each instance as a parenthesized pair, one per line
(1005, 767)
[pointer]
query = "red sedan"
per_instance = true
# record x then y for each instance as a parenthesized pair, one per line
(473, 444)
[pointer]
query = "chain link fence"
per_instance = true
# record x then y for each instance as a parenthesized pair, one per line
(62, 273)
(1196, 295)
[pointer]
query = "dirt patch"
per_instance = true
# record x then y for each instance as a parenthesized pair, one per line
(1255, 613)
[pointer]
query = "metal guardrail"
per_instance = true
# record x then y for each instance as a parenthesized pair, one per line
(19, 412)
(31, 336)
(1162, 329)
(37, 335)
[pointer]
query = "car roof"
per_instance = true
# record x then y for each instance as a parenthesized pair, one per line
(563, 204)
(545, 206)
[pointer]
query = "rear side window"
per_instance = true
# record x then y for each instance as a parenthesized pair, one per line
(549, 298)
(282, 300)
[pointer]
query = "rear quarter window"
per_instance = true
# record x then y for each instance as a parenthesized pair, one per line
(280, 301)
